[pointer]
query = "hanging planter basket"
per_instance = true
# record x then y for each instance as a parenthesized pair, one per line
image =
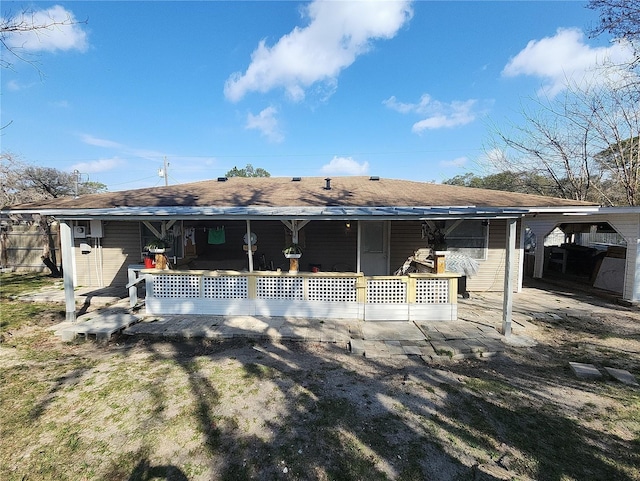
(294, 251)
(158, 246)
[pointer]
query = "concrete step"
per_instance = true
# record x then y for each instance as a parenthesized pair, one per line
(98, 326)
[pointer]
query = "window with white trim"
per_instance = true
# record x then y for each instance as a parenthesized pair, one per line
(469, 237)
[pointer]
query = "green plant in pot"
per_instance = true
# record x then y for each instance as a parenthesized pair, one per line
(157, 246)
(294, 251)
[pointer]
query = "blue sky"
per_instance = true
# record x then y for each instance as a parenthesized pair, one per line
(396, 89)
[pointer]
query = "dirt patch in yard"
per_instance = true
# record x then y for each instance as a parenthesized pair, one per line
(210, 410)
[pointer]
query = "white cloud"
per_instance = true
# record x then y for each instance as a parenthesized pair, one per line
(267, 123)
(94, 166)
(47, 31)
(458, 162)
(345, 166)
(91, 140)
(564, 59)
(438, 114)
(123, 149)
(337, 33)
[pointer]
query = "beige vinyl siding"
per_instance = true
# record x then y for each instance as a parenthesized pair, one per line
(330, 244)
(120, 248)
(490, 275)
(406, 238)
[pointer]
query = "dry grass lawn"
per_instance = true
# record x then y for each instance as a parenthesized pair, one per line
(142, 409)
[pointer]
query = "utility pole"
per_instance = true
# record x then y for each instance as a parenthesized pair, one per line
(77, 179)
(163, 172)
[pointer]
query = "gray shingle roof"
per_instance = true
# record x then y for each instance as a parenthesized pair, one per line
(307, 192)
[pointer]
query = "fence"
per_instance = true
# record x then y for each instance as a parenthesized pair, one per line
(310, 295)
(21, 247)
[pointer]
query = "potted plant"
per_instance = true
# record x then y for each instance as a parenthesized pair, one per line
(437, 240)
(294, 251)
(157, 246)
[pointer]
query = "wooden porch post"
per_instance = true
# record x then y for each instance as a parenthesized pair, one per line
(66, 244)
(510, 251)
(635, 292)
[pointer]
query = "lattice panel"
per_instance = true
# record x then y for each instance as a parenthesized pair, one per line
(432, 291)
(226, 287)
(386, 291)
(176, 286)
(289, 288)
(332, 289)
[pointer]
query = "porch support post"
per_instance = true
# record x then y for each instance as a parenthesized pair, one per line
(249, 245)
(66, 244)
(510, 253)
(635, 291)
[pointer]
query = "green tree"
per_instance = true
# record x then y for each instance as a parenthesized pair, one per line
(508, 181)
(248, 171)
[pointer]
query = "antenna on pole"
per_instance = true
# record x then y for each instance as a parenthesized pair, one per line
(163, 172)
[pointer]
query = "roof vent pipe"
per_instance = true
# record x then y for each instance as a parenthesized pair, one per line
(328, 183)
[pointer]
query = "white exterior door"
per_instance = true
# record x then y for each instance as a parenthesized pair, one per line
(374, 247)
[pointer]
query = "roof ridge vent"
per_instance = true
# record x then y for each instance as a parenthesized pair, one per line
(374, 177)
(222, 179)
(327, 186)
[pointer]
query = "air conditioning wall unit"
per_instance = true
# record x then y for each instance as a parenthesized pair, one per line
(79, 231)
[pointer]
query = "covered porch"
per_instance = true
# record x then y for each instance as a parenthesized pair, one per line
(263, 289)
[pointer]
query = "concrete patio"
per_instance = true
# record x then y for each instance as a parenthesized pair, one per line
(475, 334)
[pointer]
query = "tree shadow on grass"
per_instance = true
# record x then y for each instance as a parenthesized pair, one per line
(144, 471)
(541, 442)
(320, 430)
(337, 417)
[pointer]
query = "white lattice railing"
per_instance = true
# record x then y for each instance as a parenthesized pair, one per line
(433, 291)
(333, 295)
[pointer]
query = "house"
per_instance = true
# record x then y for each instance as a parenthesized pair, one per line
(361, 226)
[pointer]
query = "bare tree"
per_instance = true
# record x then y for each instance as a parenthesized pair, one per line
(583, 145)
(620, 18)
(549, 145)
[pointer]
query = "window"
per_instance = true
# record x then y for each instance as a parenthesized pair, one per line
(470, 237)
